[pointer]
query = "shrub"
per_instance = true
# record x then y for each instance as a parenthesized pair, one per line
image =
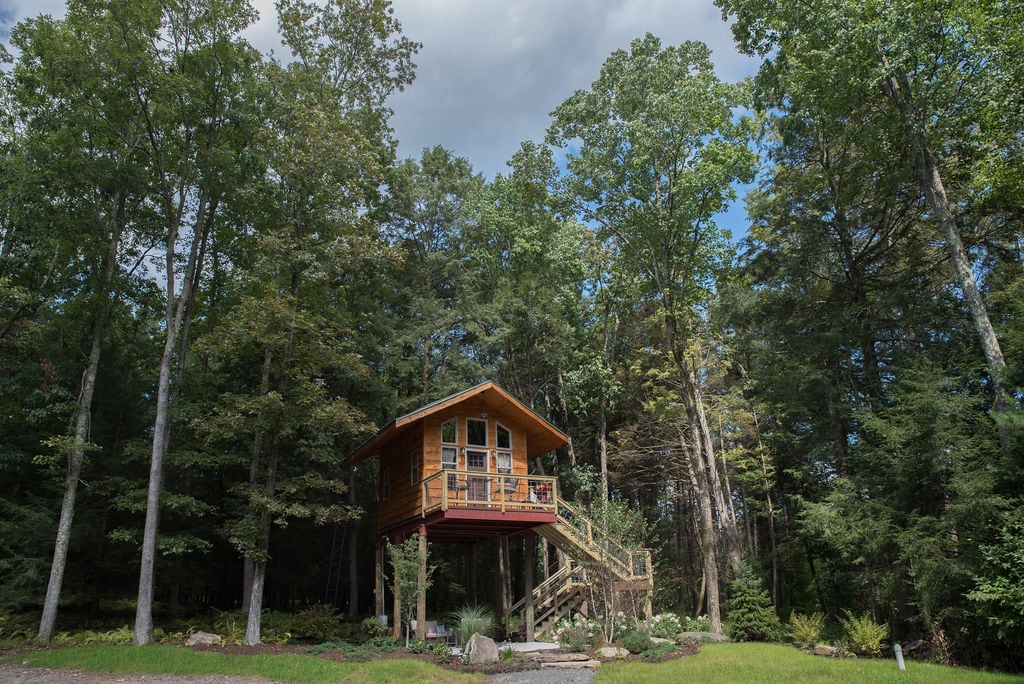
(577, 634)
(507, 654)
(665, 625)
(658, 651)
(372, 627)
(637, 641)
(864, 635)
(419, 646)
(805, 630)
(442, 652)
(318, 622)
(751, 615)
(696, 624)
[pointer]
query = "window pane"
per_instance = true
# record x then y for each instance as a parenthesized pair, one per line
(476, 459)
(449, 431)
(504, 438)
(476, 432)
(449, 458)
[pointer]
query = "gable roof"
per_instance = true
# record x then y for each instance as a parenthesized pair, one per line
(541, 436)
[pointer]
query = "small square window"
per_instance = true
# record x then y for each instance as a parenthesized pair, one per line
(503, 461)
(449, 458)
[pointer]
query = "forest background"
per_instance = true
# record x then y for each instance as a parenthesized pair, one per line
(216, 280)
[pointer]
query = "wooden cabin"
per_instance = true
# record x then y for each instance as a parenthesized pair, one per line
(456, 471)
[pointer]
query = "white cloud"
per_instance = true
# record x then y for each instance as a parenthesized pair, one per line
(491, 71)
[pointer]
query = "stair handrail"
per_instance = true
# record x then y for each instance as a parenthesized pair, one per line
(546, 589)
(602, 544)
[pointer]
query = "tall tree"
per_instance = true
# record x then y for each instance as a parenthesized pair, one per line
(925, 70)
(185, 71)
(659, 155)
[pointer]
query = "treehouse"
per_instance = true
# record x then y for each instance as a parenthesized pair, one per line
(456, 472)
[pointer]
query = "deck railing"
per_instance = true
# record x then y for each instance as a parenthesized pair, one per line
(498, 491)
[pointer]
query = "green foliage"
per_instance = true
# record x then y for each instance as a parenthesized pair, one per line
(864, 636)
(999, 581)
(469, 620)
(658, 651)
(122, 636)
(665, 625)
(507, 654)
(442, 652)
(805, 630)
(751, 615)
(319, 621)
(372, 628)
(405, 562)
(637, 641)
(419, 646)
(577, 634)
(695, 624)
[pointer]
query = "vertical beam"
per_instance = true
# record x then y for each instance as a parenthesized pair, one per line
(472, 575)
(378, 579)
(421, 588)
(529, 562)
(499, 565)
(396, 608)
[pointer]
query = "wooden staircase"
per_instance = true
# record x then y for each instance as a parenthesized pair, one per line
(590, 549)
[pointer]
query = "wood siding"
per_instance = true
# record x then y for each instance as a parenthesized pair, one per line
(405, 500)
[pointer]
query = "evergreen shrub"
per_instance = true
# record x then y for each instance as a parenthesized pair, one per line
(805, 630)
(751, 615)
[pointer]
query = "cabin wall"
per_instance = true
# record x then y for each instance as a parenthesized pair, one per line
(404, 500)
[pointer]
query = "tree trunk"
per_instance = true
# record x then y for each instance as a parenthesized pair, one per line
(353, 552)
(253, 625)
(707, 539)
(175, 316)
(83, 422)
(929, 177)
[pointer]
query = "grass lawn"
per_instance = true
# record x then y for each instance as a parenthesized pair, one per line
(774, 663)
(287, 668)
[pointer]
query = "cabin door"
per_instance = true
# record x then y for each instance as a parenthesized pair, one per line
(478, 487)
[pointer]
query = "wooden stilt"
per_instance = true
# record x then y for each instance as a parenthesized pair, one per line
(396, 610)
(421, 584)
(499, 565)
(378, 579)
(529, 562)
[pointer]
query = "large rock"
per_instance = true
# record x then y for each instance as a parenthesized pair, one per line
(826, 650)
(701, 637)
(480, 649)
(204, 639)
(612, 652)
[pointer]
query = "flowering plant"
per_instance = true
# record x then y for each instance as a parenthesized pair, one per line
(577, 634)
(664, 625)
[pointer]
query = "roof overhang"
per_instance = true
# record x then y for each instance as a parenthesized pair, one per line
(541, 436)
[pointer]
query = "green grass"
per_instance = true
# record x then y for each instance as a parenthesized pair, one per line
(750, 662)
(285, 668)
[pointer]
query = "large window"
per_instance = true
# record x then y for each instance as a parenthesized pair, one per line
(450, 431)
(476, 432)
(503, 461)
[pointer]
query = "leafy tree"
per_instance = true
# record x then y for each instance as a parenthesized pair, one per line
(659, 153)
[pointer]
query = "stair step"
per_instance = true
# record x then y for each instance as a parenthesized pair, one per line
(576, 665)
(559, 657)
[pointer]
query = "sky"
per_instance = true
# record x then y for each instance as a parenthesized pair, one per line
(491, 71)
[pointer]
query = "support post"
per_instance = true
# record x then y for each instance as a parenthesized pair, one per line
(378, 580)
(396, 609)
(530, 562)
(421, 587)
(499, 564)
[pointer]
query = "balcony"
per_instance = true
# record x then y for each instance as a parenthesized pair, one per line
(464, 489)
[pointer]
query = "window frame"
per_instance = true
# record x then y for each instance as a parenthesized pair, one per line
(486, 436)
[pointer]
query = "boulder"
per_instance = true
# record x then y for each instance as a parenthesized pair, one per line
(701, 637)
(659, 640)
(612, 652)
(480, 649)
(204, 639)
(826, 650)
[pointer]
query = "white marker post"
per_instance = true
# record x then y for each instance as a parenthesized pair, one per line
(898, 650)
